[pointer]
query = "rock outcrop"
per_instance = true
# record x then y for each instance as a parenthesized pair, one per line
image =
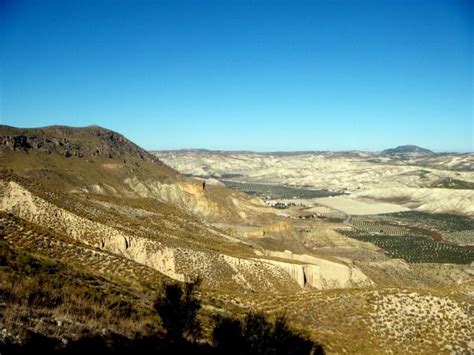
(186, 195)
(71, 142)
(279, 227)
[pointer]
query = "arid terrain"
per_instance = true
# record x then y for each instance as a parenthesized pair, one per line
(365, 252)
(415, 179)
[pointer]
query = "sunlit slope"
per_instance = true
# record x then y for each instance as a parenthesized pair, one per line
(99, 161)
(95, 187)
(93, 201)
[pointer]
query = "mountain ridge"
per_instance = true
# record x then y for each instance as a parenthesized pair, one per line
(398, 149)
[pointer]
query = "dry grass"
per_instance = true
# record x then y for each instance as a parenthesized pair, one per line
(56, 299)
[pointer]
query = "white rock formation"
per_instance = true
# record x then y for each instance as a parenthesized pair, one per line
(175, 262)
(188, 196)
(319, 273)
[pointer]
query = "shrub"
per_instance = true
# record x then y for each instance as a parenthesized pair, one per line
(286, 341)
(227, 335)
(178, 308)
(255, 335)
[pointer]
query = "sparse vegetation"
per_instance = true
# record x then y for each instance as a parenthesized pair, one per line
(37, 288)
(411, 318)
(50, 286)
(450, 183)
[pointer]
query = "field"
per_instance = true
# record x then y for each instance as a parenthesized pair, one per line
(277, 191)
(453, 228)
(415, 248)
(357, 207)
(370, 226)
(417, 236)
(463, 237)
(440, 221)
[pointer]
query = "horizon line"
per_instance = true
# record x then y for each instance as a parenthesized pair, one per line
(203, 150)
(300, 151)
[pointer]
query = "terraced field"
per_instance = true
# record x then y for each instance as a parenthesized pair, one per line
(440, 221)
(369, 226)
(415, 248)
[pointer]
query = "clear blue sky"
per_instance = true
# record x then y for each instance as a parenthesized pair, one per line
(258, 75)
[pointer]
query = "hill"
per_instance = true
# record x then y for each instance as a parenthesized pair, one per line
(77, 157)
(99, 161)
(407, 149)
(91, 141)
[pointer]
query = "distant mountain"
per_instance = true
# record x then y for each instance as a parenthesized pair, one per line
(407, 149)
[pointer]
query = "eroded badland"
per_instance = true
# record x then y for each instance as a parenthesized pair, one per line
(366, 253)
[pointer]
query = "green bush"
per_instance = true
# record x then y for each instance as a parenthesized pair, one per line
(178, 308)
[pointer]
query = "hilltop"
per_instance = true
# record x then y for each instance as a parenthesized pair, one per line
(91, 141)
(86, 159)
(406, 149)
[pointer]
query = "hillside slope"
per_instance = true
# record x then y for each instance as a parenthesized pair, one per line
(89, 199)
(93, 186)
(99, 161)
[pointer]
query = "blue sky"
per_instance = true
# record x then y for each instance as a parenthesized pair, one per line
(257, 75)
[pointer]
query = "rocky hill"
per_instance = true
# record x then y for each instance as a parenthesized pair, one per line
(100, 161)
(91, 141)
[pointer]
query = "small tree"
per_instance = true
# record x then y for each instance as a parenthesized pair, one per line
(177, 307)
(257, 333)
(285, 340)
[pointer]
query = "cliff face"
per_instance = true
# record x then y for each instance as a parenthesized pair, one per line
(279, 227)
(319, 273)
(187, 195)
